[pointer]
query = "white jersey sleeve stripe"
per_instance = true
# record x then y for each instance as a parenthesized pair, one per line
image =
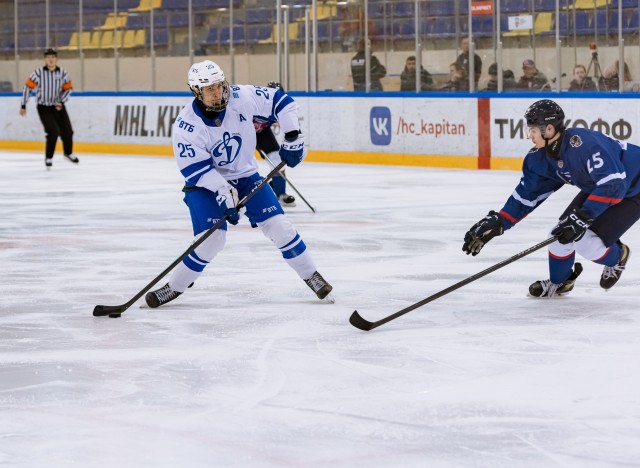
(531, 203)
(611, 177)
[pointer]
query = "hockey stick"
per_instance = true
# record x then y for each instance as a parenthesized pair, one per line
(264, 155)
(115, 311)
(357, 321)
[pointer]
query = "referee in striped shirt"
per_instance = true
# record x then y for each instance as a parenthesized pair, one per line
(53, 87)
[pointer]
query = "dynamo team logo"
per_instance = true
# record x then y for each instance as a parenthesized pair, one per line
(380, 125)
(227, 150)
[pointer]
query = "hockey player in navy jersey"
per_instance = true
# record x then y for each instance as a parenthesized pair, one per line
(214, 141)
(606, 171)
(266, 141)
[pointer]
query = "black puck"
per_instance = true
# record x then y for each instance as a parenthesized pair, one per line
(114, 315)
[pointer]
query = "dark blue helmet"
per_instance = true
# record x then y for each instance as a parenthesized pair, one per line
(276, 85)
(544, 112)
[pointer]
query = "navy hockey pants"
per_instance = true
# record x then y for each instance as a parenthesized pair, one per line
(615, 221)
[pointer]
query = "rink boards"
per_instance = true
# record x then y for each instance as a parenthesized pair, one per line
(436, 129)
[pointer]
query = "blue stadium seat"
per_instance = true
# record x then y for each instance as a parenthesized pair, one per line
(482, 25)
(404, 9)
(444, 27)
(584, 22)
(439, 8)
(634, 22)
(137, 22)
(600, 21)
(160, 38)
(404, 29)
(515, 6)
(260, 15)
(238, 35)
(544, 5)
(259, 32)
(212, 37)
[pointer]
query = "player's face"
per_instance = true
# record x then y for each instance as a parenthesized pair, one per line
(212, 95)
(536, 136)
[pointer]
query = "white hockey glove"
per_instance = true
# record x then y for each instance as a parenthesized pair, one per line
(293, 150)
(227, 198)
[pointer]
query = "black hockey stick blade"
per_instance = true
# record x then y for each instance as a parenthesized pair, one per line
(103, 310)
(357, 321)
(264, 156)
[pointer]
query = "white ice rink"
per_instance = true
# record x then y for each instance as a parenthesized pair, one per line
(248, 369)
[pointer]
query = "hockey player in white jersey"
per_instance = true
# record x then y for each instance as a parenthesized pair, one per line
(213, 142)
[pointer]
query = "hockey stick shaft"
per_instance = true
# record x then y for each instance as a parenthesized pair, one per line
(102, 310)
(264, 155)
(357, 321)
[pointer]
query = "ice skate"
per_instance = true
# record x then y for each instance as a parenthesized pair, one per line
(287, 201)
(161, 296)
(545, 288)
(318, 285)
(611, 275)
(73, 158)
(48, 162)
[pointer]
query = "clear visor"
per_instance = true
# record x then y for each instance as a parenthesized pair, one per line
(535, 131)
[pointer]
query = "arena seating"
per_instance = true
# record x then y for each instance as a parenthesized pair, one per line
(129, 28)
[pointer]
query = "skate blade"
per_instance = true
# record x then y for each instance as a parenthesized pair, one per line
(329, 299)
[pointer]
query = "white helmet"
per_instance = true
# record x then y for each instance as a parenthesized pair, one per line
(207, 73)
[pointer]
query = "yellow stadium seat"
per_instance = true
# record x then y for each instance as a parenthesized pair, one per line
(146, 5)
(324, 11)
(292, 31)
(106, 41)
(128, 39)
(587, 4)
(73, 43)
(139, 38)
(111, 22)
(94, 42)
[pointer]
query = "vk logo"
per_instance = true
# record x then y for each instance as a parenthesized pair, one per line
(380, 124)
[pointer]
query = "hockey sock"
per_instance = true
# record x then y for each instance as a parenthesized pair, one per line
(279, 185)
(611, 257)
(560, 268)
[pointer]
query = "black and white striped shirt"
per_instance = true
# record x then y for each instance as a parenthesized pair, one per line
(51, 86)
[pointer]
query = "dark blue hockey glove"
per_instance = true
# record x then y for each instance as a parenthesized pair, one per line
(572, 227)
(227, 198)
(482, 232)
(292, 150)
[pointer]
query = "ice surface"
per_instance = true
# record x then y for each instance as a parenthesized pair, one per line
(248, 369)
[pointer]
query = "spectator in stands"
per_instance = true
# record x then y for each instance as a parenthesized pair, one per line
(53, 87)
(463, 61)
(358, 70)
(508, 80)
(458, 80)
(609, 81)
(581, 82)
(408, 76)
(532, 78)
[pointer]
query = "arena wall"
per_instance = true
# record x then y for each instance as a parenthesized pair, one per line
(439, 130)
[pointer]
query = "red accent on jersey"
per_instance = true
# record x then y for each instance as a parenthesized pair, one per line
(607, 200)
(508, 216)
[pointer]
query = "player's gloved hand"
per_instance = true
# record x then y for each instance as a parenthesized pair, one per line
(572, 227)
(482, 232)
(227, 198)
(292, 150)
